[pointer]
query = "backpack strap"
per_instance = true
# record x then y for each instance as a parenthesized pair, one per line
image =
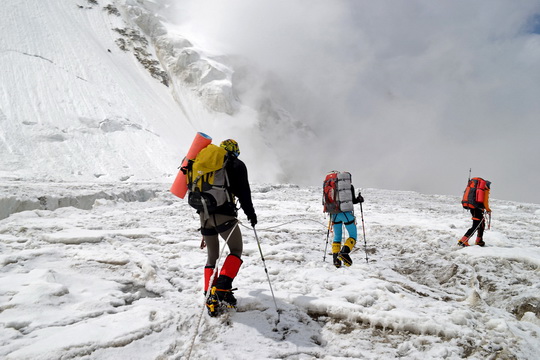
(227, 184)
(206, 214)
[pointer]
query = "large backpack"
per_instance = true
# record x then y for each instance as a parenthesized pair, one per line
(207, 180)
(337, 195)
(474, 195)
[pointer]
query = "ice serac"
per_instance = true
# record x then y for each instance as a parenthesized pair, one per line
(207, 78)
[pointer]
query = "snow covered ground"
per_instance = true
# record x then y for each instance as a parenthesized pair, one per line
(114, 271)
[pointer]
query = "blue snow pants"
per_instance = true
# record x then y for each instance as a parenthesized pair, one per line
(345, 218)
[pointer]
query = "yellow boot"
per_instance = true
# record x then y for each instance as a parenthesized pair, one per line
(345, 250)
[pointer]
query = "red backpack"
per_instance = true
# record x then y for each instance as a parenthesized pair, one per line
(337, 196)
(330, 193)
(475, 193)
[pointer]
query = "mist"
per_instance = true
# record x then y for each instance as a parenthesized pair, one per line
(404, 95)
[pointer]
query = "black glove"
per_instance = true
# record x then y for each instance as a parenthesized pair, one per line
(360, 198)
(253, 219)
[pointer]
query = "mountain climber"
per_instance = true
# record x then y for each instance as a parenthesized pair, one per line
(223, 221)
(476, 199)
(338, 200)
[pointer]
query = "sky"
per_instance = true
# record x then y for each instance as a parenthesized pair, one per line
(405, 95)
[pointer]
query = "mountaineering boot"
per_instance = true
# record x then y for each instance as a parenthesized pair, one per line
(464, 241)
(212, 303)
(224, 289)
(479, 241)
(335, 252)
(226, 297)
(345, 250)
(337, 262)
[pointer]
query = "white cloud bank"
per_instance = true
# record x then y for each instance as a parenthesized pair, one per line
(404, 95)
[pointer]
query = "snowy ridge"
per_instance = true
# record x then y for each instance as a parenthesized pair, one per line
(16, 197)
(123, 279)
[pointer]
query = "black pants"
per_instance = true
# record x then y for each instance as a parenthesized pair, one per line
(478, 222)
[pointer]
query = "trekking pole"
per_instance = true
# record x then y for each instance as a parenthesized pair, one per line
(364, 231)
(327, 236)
(267, 276)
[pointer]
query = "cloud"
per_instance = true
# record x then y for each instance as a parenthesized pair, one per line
(407, 95)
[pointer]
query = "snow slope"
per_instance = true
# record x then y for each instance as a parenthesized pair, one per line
(117, 273)
(74, 95)
(102, 91)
